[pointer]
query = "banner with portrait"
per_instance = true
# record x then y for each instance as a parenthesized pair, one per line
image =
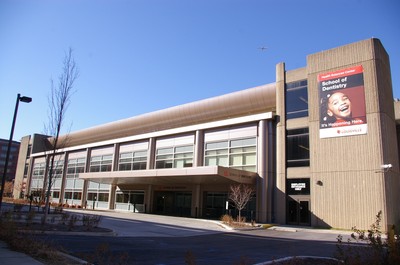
(342, 103)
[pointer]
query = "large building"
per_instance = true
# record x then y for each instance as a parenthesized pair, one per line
(12, 159)
(319, 146)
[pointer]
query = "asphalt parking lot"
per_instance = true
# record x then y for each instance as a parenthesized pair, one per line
(155, 239)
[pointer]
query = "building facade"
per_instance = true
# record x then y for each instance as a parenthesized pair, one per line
(319, 146)
(12, 160)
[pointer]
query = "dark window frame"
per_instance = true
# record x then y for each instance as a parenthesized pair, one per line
(296, 99)
(298, 148)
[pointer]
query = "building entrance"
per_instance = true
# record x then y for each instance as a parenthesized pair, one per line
(298, 201)
(298, 211)
(173, 203)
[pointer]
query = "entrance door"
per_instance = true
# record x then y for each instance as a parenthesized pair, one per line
(298, 211)
(173, 203)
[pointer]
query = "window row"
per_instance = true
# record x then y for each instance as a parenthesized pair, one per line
(237, 153)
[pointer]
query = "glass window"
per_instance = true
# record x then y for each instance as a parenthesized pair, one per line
(68, 195)
(38, 170)
(77, 196)
(133, 160)
(174, 157)
(236, 153)
(58, 167)
(103, 197)
(75, 166)
(296, 99)
(298, 148)
(101, 163)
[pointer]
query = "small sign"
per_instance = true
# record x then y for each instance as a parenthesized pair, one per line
(298, 186)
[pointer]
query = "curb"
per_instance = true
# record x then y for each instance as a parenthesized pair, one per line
(88, 233)
(294, 258)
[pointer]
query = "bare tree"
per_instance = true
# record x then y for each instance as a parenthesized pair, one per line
(59, 100)
(240, 195)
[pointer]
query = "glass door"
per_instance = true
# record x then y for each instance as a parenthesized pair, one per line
(298, 211)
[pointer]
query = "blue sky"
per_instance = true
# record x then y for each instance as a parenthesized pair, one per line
(136, 56)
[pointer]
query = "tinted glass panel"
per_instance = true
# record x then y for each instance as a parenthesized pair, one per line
(298, 148)
(296, 99)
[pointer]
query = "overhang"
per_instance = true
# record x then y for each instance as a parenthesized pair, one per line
(187, 176)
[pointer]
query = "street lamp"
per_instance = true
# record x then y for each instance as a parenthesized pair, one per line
(3, 180)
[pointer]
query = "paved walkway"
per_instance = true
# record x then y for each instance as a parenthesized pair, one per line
(9, 257)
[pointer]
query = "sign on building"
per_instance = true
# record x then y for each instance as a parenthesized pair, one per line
(342, 103)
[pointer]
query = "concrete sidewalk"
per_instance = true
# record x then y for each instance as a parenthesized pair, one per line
(10, 257)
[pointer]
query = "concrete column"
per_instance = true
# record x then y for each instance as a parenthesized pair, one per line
(111, 198)
(64, 178)
(151, 154)
(116, 158)
(148, 199)
(196, 199)
(262, 184)
(271, 171)
(86, 182)
(198, 149)
(280, 163)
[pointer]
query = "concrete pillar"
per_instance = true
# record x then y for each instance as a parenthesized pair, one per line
(198, 149)
(148, 201)
(111, 198)
(196, 199)
(151, 154)
(116, 158)
(262, 184)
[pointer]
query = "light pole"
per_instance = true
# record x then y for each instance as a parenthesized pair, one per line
(3, 180)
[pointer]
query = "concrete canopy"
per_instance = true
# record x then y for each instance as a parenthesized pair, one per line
(174, 176)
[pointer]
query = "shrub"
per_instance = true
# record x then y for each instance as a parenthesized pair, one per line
(72, 222)
(227, 219)
(378, 250)
(29, 217)
(64, 218)
(103, 255)
(91, 221)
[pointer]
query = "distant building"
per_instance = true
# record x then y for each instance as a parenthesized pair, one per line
(12, 161)
(319, 146)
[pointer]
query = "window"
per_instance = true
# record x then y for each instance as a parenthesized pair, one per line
(175, 157)
(58, 167)
(217, 153)
(38, 170)
(26, 170)
(296, 99)
(183, 156)
(77, 196)
(94, 196)
(134, 197)
(297, 148)
(238, 153)
(122, 197)
(133, 160)
(68, 195)
(101, 163)
(75, 166)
